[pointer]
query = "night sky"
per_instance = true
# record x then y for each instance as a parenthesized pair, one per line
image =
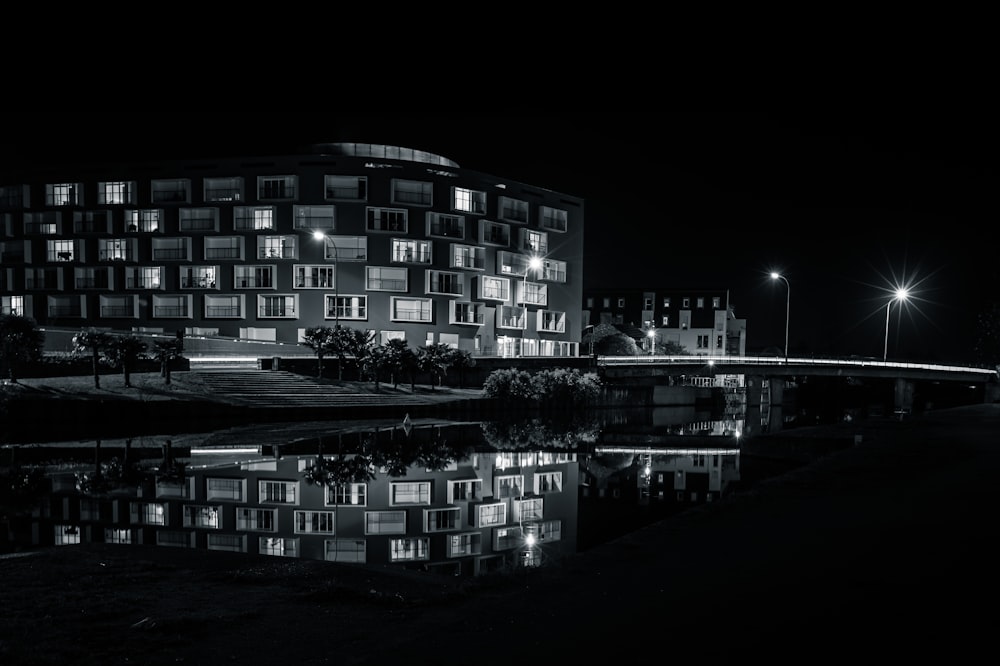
(844, 204)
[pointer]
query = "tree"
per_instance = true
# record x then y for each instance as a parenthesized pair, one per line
(673, 348)
(373, 363)
(349, 342)
(320, 339)
(92, 341)
(462, 359)
(400, 360)
(20, 342)
(616, 344)
(123, 351)
(607, 340)
(165, 351)
(435, 359)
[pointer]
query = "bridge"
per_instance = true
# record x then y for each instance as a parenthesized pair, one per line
(653, 365)
(653, 368)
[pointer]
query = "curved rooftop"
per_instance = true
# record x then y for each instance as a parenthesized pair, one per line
(383, 152)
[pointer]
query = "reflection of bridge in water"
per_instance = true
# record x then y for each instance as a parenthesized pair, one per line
(764, 378)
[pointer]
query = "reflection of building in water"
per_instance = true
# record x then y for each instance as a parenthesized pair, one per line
(481, 513)
(680, 476)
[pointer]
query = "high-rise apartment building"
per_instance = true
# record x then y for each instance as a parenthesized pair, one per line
(400, 242)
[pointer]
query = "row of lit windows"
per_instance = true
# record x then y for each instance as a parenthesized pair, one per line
(405, 549)
(323, 522)
(264, 218)
(647, 303)
(286, 306)
(286, 188)
(349, 249)
(304, 276)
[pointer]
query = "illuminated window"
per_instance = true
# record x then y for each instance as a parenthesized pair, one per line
(12, 305)
(279, 547)
(253, 218)
(383, 278)
(409, 550)
(468, 257)
(468, 201)
(469, 543)
(314, 522)
(116, 192)
(385, 522)
(278, 492)
(347, 494)
(64, 194)
(256, 520)
(411, 251)
(412, 309)
(146, 221)
(410, 492)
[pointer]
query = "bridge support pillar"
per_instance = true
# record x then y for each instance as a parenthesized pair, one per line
(903, 396)
(777, 421)
(752, 420)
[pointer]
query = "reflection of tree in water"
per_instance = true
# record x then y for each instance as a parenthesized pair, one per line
(392, 451)
(21, 488)
(542, 433)
(111, 475)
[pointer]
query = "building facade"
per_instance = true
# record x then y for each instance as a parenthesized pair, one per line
(703, 322)
(396, 241)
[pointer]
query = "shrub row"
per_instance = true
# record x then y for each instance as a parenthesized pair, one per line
(558, 387)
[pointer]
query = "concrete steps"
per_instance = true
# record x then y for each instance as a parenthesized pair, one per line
(268, 388)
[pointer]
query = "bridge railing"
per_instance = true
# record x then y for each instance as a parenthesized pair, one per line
(706, 360)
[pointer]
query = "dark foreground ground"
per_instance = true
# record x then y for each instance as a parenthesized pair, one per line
(881, 552)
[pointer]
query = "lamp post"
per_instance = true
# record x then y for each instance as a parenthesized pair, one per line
(319, 235)
(900, 295)
(651, 334)
(788, 306)
(534, 263)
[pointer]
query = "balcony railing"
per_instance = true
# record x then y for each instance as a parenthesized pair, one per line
(170, 253)
(222, 311)
(64, 311)
(117, 311)
(170, 311)
(222, 253)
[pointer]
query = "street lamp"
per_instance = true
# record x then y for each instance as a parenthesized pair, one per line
(900, 295)
(651, 334)
(319, 235)
(534, 263)
(788, 306)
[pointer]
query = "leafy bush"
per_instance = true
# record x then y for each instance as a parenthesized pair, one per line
(556, 387)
